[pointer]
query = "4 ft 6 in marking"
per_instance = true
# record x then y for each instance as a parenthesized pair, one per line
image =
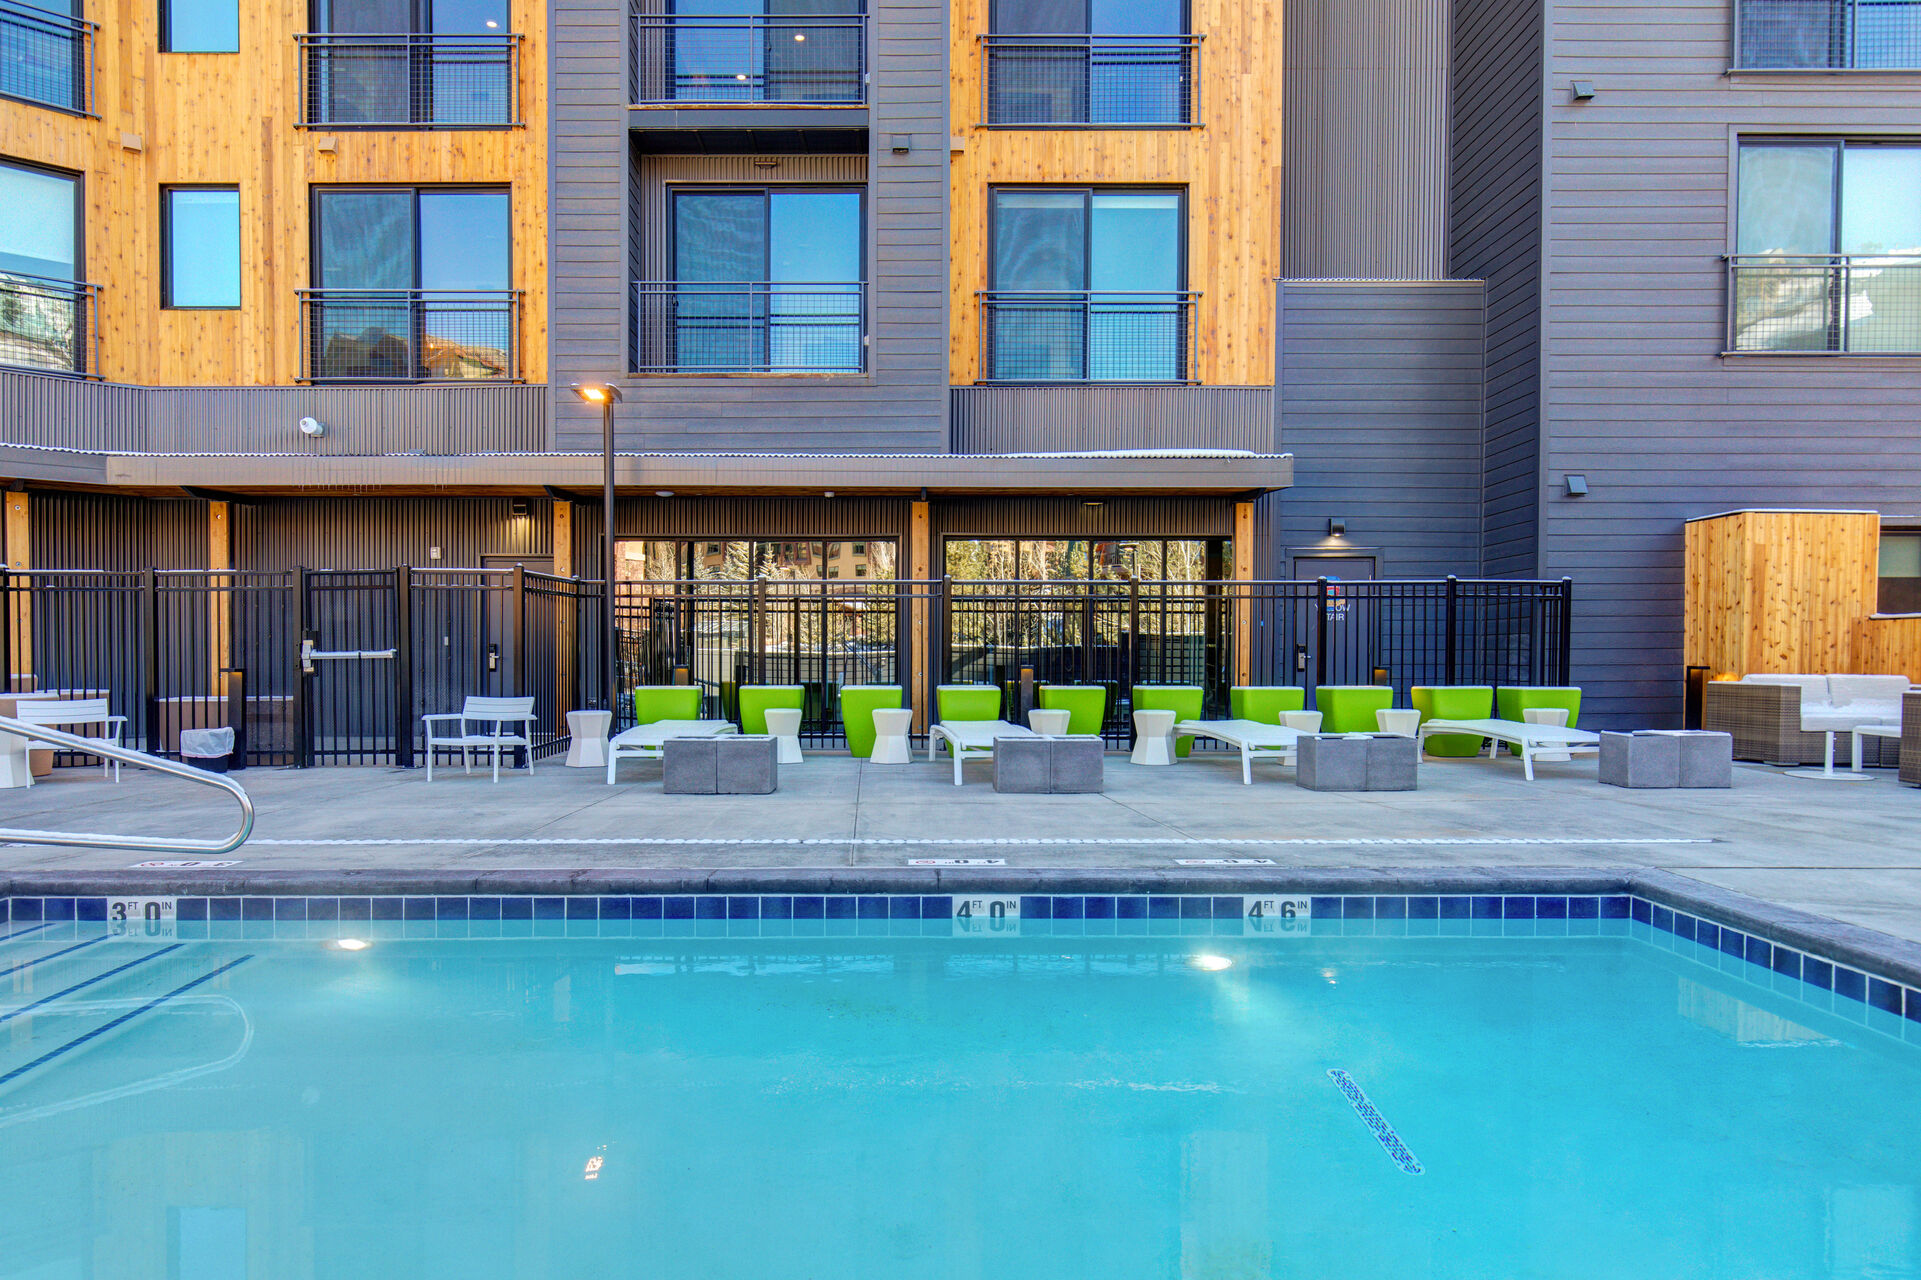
(1278, 915)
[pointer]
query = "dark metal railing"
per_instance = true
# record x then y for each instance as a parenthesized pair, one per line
(1080, 336)
(1093, 81)
(336, 667)
(818, 59)
(749, 327)
(410, 335)
(409, 81)
(1827, 35)
(49, 324)
(1825, 304)
(46, 57)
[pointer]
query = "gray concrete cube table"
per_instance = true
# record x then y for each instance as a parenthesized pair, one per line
(1357, 762)
(742, 765)
(1049, 765)
(1641, 760)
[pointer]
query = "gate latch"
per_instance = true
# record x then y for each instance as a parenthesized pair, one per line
(310, 655)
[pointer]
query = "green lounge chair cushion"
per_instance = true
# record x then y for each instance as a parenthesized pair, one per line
(968, 702)
(1184, 700)
(1350, 708)
(756, 700)
(1085, 705)
(1453, 702)
(656, 702)
(1263, 703)
(858, 702)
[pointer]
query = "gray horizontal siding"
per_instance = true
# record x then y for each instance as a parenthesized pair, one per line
(1057, 419)
(1636, 395)
(63, 413)
(1380, 404)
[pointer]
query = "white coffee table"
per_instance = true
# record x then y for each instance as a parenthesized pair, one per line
(1871, 731)
(1153, 737)
(890, 736)
(783, 724)
(1048, 722)
(587, 734)
(644, 741)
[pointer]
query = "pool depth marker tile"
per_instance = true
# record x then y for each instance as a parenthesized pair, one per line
(1377, 1123)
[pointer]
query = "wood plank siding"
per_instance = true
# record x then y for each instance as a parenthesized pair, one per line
(1775, 592)
(1230, 167)
(230, 119)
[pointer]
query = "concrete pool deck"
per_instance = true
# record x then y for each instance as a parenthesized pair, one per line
(1850, 852)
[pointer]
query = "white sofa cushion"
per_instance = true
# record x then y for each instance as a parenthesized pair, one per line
(1813, 688)
(1886, 690)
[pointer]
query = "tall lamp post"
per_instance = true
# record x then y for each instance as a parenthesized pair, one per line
(606, 395)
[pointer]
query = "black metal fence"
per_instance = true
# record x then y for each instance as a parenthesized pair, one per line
(1080, 336)
(1098, 81)
(724, 58)
(1834, 303)
(749, 326)
(410, 81)
(337, 666)
(49, 324)
(1824, 35)
(410, 335)
(46, 57)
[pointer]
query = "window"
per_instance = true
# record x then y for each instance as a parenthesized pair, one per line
(760, 280)
(199, 26)
(1087, 286)
(1076, 560)
(1090, 62)
(410, 64)
(743, 561)
(1827, 248)
(1827, 35)
(46, 309)
(200, 239)
(411, 284)
(46, 49)
(1900, 572)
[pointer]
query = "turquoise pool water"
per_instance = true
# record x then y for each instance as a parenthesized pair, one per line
(847, 1108)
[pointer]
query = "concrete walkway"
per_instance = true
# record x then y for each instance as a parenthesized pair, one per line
(1847, 851)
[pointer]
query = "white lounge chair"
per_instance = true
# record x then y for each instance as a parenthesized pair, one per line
(1526, 739)
(482, 726)
(1268, 741)
(971, 739)
(649, 741)
(69, 714)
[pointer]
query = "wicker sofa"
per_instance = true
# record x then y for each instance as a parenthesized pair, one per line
(1782, 719)
(1911, 739)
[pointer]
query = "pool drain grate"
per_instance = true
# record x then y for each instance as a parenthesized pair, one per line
(1377, 1123)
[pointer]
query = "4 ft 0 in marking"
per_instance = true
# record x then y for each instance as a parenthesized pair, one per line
(987, 917)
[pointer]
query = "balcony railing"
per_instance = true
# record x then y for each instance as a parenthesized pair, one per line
(1825, 304)
(749, 327)
(410, 335)
(1827, 35)
(1078, 336)
(46, 57)
(409, 81)
(1108, 82)
(818, 59)
(49, 324)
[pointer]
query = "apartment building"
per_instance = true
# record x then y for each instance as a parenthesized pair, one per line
(1198, 289)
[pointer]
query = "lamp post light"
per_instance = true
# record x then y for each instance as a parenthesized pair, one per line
(606, 395)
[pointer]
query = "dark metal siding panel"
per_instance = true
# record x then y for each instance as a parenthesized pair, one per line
(1067, 518)
(900, 405)
(369, 533)
(65, 413)
(1637, 396)
(1494, 234)
(360, 420)
(1066, 419)
(123, 534)
(1380, 404)
(1364, 190)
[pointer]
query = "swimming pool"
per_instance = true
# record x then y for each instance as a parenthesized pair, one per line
(927, 1086)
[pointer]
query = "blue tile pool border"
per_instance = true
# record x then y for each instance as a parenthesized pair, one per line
(1858, 974)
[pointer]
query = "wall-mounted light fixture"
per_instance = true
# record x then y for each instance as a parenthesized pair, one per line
(901, 143)
(313, 427)
(1336, 527)
(519, 509)
(663, 493)
(1583, 90)
(1093, 502)
(1576, 484)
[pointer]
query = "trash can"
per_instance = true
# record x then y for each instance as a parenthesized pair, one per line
(209, 749)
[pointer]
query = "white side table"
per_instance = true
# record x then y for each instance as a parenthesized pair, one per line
(1872, 731)
(588, 733)
(1400, 722)
(1153, 737)
(890, 735)
(1048, 723)
(783, 723)
(1553, 716)
(1304, 721)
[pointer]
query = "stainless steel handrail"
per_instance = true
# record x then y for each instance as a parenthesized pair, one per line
(40, 733)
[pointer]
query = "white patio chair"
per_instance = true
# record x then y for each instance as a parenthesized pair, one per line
(71, 714)
(491, 714)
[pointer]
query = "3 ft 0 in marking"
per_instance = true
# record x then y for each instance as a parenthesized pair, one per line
(1278, 916)
(987, 917)
(140, 918)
